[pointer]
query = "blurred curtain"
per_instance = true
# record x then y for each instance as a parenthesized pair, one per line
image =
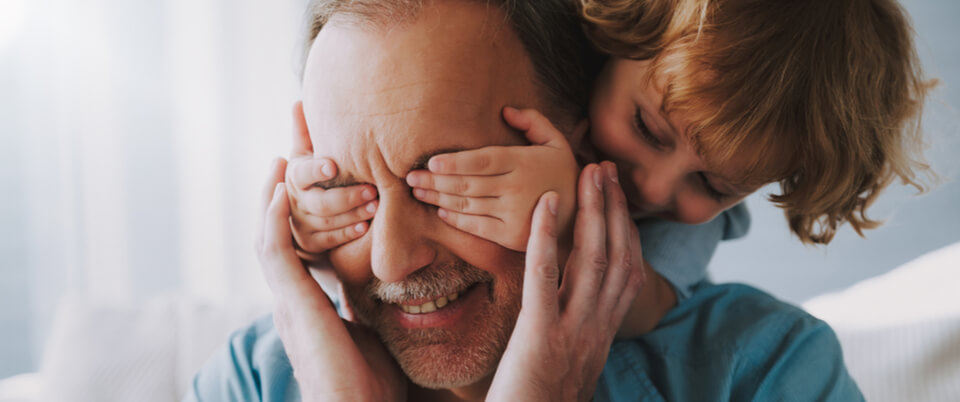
(135, 137)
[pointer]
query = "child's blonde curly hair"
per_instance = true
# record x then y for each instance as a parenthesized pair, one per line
(830, 92)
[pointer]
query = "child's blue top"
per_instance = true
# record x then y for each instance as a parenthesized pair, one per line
(681, 252)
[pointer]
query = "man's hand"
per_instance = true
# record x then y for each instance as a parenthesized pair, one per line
(323, 218)
(333, 360)
(560, 343)
(490, 192)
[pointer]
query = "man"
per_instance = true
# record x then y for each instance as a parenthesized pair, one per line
(387, 86)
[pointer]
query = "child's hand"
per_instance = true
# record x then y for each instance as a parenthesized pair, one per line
(491, 192)
(322, 219)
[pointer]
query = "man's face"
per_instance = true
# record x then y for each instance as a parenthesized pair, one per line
(380, 102)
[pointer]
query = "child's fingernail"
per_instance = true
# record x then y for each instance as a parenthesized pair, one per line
(413, 180)
(552, 204)
(597, 180)
(612, 172)
(359, 228)
(435, 164)
(419, 193)
(442, 213)
(327, 170)
(367, 194)
(372, 207)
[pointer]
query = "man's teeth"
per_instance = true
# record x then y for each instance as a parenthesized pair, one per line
(430, 306)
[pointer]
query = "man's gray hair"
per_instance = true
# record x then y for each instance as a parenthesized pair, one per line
(550, 31)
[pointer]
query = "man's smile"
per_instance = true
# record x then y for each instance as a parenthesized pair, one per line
(445, 311)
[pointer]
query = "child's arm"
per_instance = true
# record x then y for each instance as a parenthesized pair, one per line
(491, 192)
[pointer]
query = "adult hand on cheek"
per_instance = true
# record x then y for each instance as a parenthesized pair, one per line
(332, 359)
(563, 335)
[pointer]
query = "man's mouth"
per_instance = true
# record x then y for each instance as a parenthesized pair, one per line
(430, 306)
(441, 311)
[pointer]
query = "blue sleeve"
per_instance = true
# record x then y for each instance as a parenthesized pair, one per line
(252, 366)
(808, 367)
(681, 252)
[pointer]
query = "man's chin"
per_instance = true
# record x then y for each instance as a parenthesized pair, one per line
(447, 366)
(450, 357)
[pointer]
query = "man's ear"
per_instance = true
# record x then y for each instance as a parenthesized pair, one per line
(579, 132)
(582, 147)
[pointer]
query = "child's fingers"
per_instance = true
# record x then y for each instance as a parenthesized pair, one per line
(481, 226)
(535, 126)
(463, 205)
(484, 161)
(541, 273)
(335, 201)
(305, 172)
(468, 186)
(322, 241)
(301, 136)
(315, 223)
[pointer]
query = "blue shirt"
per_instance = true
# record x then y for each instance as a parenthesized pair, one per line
(725, 342)
(681, 252)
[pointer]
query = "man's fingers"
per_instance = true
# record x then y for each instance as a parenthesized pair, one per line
(335, 201)
(467, 186)
(587, 263)
(541, 273)
(484, 206)
(277, 168)
(305, 172)
(634, 283)
(486, 161)
(301, 136)
(535, 126)
(280, 263)
(623, 263)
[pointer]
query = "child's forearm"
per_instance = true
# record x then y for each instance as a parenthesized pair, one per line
(653, 302)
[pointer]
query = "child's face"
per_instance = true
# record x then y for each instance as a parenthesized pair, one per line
(661, 171)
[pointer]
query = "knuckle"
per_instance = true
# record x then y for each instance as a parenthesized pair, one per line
(549, 272)
(461, 186)
(598, 260)
(625, 261)
(327, 221)
(463, 204)
(483, 162)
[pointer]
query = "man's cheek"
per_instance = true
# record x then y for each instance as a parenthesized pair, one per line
(352, 262)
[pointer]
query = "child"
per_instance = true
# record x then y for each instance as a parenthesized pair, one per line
(700, 104)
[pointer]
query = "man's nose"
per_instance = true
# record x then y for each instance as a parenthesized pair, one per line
(400, 244)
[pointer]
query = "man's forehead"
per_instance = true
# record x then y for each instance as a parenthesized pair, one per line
(431, 85)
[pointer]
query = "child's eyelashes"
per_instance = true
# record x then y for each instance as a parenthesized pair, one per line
(644, 132)
(715, 194)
